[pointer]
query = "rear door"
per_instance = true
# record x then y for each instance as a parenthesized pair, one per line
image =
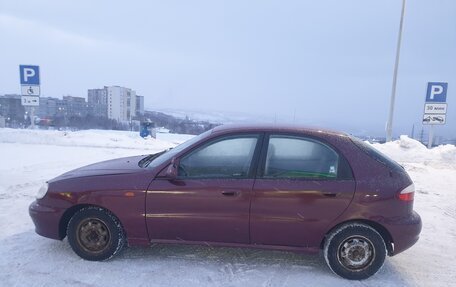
(302, 185)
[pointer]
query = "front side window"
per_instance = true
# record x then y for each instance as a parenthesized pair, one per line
(226, 158)
(294, 157)
(169, 154)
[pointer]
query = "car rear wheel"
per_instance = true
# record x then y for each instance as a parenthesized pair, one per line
(95, 234)
(355, 251)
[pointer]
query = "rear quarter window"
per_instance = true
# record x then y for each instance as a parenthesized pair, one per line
(376, 154)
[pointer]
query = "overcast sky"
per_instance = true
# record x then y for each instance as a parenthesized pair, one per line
(326, 63)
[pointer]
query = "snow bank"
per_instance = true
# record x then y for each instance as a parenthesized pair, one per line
(91, 138)
(407, 150)
(404, 150)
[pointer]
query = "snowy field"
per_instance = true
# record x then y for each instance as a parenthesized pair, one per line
(29, 158)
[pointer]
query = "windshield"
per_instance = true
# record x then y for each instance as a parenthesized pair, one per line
(169, 154)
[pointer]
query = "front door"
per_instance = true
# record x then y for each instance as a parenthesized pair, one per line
(209, 201)
(302, 186)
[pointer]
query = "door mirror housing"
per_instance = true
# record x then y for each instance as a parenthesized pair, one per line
(170, 172)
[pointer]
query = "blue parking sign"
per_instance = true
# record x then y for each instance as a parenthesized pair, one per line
(30, 75)
(436, 92)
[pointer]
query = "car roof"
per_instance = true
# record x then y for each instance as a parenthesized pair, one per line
(233, 128)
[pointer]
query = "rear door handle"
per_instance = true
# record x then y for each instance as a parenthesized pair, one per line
(329, 194)
(230, 193)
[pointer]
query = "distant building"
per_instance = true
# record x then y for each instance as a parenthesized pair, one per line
(139, 106)
(75, 106)
(61, 109)
(11, 108)
(115, 102)
(98, 102)
(48, 107)
(111, 102)
(121, 103)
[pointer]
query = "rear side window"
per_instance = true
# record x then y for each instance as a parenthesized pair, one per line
(375, 153)
(295, 157)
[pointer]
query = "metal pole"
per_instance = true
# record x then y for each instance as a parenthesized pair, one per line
(32, 117)
(431, 136)
(389, 125)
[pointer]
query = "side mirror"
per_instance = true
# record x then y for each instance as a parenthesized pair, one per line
(170, 172)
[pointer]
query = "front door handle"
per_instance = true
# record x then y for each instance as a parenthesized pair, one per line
(230, 193)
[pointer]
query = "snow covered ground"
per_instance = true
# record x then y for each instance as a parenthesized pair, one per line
(29, 158)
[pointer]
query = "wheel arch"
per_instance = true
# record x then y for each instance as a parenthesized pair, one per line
(386, 235)
(68, 214)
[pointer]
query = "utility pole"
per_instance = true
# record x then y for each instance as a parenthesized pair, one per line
(389, 125)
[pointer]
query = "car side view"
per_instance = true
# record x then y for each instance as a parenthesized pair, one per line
(275, 187)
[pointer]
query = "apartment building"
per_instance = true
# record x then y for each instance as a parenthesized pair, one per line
(115, 102)
(98, 102)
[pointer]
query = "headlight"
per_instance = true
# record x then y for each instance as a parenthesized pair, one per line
(42, 191)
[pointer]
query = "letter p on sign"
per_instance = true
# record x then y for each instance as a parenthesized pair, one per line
(28, 73)
(436, 92)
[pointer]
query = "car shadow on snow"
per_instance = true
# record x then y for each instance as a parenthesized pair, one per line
(258, 259)
(173, 265)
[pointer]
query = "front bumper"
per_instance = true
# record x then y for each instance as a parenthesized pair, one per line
(405, 232)
(46, 219)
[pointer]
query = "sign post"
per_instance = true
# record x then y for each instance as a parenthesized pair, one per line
(30, 88)
(435, 107)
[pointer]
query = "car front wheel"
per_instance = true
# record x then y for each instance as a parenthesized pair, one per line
(355, 251)
(95, 234)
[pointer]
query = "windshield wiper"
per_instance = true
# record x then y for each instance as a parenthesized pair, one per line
(148, 159)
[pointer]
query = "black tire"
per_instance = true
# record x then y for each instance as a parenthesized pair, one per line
(355, 251)
(95, 234)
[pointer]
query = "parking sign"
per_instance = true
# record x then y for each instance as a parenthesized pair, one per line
(30, 84)
(30, 75)
(436, 92)
(435, 106)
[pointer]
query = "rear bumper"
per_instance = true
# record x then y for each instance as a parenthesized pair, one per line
(405, 232)
(46, 220)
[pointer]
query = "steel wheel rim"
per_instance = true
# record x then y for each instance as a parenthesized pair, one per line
(93, 235)
(356, 253)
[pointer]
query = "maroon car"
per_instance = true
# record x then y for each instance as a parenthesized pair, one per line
(287, 188)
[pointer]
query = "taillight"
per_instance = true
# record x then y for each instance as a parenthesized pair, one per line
(407, 193)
